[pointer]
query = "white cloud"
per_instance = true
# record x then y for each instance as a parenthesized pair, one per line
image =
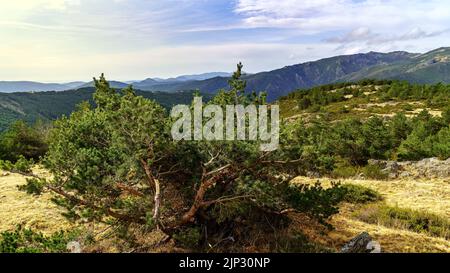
(131, 39)
(287, 8)
(365, 34)
(329, 15)
(355, 26)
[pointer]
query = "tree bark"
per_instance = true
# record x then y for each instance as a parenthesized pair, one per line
(198, 201)
(157, 186)
(157, 201)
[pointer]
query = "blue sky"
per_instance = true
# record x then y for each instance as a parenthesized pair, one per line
(65, 40)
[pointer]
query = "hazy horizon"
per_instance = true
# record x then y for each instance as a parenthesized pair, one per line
(59, 41)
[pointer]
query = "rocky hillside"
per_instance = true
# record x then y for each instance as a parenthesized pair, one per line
(426, 168)
(365, 99)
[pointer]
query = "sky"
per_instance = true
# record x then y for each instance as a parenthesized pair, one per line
(69, 40)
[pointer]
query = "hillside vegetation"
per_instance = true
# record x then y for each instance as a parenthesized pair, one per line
(106, 160)
(366, 98)
(113, 162)
(49, 106)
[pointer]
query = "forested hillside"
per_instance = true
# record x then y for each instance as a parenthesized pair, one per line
(33, 106)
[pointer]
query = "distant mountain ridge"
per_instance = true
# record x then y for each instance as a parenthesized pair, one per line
(31, 86)
(430, 67)
(282, 81)
(113, 84)
(194, 77)
(20, 86)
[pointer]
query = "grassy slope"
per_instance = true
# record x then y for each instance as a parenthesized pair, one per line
(421, 195)
(19, 208)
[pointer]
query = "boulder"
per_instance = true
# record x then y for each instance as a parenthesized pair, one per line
(362, 243)
(74, 247)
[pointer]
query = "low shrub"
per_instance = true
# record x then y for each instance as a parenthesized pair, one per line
(359, 195)
(23, 165)
(24, 240)
(319, 202)
(33, 186)
(6, 165)
(346, 171)
(417, 221)
(374, 172)
(189, 237)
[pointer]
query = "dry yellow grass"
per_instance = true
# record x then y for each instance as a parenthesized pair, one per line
(428, 195)
(17, 207)
(391, 239)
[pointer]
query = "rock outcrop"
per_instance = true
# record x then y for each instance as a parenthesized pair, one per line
(363, 243)
(425, 168)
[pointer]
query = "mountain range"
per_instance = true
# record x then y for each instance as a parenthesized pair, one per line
(30, 86)
(23, 86)
(430, 67)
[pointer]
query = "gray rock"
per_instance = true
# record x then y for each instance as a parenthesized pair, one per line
(392, 166)
(404, 174)
(362, 243)
(74, 247)
(360, 176)
(381, 163)
(313, 174)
